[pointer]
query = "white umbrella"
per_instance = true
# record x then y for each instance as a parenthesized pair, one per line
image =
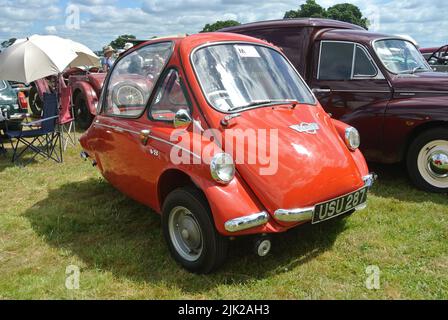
(85, 56)
(35, 58)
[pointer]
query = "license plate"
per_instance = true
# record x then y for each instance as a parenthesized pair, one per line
(335, 207)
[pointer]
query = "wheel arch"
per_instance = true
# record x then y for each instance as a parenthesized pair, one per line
(173, 179)
(419, 130)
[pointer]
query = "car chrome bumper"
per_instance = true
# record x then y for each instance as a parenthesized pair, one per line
(306, 214)
(247, 222)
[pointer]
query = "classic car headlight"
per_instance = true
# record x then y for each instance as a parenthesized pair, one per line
(352, 139)
(222, 168)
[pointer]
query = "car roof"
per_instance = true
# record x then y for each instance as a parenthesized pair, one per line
(189, 42)
(299, 22)
(361, 36)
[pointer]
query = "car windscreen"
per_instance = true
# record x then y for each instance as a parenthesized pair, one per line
(400, 56)
(239, 76)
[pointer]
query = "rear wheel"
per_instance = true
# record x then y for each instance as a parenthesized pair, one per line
(427, 160)
(190, 232)
(36, 104)
(83, 116)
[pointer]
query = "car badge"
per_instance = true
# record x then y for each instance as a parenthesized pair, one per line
(310, 128)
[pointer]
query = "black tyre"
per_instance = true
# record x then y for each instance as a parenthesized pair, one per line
(83, 116)
(427, 160)
(190, 232)
(35, 102)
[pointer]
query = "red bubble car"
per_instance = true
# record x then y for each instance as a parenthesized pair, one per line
(220, 135)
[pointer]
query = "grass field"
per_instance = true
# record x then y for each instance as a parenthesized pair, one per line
(53, 216)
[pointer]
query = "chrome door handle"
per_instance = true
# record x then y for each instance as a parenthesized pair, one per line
(144, 136)
(118, 129)
(320, 90)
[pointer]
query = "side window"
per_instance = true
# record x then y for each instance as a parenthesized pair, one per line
(364, 67)
(344, 61)
(133, 78)
(170, 98)
(336, 61)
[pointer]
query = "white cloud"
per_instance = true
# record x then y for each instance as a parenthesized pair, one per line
(103, 20)
(51, 29)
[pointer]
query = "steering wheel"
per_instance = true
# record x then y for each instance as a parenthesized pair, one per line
(128, 93)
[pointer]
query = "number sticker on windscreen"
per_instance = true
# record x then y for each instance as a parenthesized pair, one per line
(247, 52)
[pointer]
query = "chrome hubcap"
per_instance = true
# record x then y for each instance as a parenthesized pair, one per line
(438, 164)
(185, 233)
(433, 163)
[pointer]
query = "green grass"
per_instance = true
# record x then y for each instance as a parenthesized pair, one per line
(55, 215)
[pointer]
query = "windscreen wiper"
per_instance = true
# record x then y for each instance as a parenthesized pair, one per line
(255, 103)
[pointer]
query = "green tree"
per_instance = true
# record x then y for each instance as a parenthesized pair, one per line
(219, 25)
(349, 13)
(310, 9)
(343, 12)
(5, 44)
(121, 41)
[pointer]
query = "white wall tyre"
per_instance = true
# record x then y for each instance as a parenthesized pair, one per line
(190, 232)
(427, 160)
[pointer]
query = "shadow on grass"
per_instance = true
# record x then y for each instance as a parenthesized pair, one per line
(112, 233)
(393, 182)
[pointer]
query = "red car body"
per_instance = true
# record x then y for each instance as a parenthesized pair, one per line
(133, 154)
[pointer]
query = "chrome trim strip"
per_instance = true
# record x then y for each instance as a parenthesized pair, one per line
(247, 222)
(120, 129)
(306, 214)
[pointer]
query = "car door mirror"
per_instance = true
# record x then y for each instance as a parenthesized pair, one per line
(182, 119)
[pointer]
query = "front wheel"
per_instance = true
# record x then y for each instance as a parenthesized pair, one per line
(190, 232)
(427, 160)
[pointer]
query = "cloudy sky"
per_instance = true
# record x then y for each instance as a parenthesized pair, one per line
(101, 21)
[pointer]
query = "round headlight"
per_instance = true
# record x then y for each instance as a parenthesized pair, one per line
(222, 168)
(352, 139)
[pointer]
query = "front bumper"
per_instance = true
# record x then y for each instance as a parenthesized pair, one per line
(285, 215)
(306, 214)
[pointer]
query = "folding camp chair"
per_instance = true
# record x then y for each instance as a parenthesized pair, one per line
(66, 121)
(44, 140)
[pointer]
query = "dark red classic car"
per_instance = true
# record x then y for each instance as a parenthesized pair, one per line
(221, 136)
(378, 83)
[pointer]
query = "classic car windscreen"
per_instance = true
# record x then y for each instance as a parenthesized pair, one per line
(239, 76)
(400, 56)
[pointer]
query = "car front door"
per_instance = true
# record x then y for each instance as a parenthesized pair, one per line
(125, 158)
(350, 86)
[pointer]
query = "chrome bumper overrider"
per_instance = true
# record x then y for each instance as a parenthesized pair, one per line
(246, 222)
(306, 214)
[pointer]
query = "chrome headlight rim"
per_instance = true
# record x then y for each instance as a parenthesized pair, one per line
(352, 138)
(222, 159)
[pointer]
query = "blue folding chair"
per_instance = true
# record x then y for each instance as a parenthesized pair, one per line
(44, 141)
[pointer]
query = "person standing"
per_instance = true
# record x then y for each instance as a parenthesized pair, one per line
(107, 61)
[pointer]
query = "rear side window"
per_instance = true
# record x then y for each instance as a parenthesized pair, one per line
(2, 85)
(344, 61)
